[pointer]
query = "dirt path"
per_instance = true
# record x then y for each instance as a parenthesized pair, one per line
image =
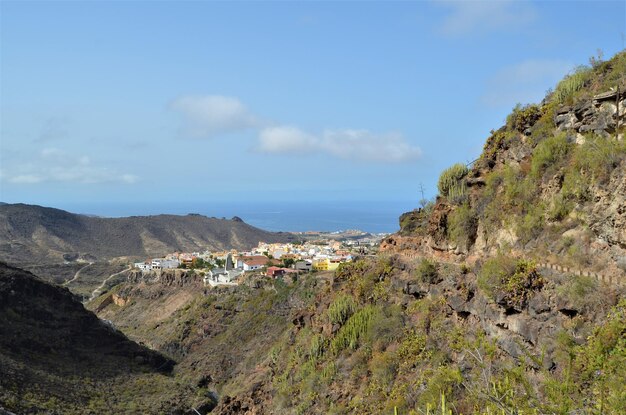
(75, 277)
(98, 290)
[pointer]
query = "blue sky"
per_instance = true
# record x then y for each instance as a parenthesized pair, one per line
(125, 102)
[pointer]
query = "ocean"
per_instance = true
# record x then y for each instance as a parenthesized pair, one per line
(374, 217)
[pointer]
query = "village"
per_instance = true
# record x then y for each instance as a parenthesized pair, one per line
(322, 252)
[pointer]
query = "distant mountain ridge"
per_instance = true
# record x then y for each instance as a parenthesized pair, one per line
(34, 234)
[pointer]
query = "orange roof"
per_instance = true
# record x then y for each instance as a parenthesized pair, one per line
(255, 260)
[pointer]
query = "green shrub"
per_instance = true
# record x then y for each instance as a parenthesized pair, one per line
(318, 347)
(575, 186)
(549, 152)
(581, 291)
(561, 207)
(598, 157)
(457, 193)
(427, 272)
(451, 181)
(411, 348)
(341, 309)
(600, 364)
(462, 224)
(509, 281)
(352, 332)
(544, 127)
(567, 88)
(523, 116)
(531, 224)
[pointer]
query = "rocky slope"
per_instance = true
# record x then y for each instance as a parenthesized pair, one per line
(35, 235)
(382, 333)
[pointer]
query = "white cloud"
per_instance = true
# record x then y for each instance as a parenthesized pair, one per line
(286, 139)
(209, 115)
(483, 16)
(524, 82)
(54, 165)
(345, 144)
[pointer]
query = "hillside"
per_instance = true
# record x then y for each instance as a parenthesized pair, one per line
(57, 357)
(39, 235)
(505, 295)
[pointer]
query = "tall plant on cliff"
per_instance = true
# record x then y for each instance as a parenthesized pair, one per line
(451, 183)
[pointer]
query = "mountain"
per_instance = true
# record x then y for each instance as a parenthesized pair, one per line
(35, 235)
(56, 357)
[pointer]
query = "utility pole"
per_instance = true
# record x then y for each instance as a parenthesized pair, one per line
(423, 199)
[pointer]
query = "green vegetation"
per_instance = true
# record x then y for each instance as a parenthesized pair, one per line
(427, 271)
(549, 153)
(510, 281)
(571, 84)
(462, 224)
(523, 117)
(451, 183)
(354, 330)
(341, 309)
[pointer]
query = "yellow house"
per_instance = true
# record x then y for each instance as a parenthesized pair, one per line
(325, 264)
(322, 264)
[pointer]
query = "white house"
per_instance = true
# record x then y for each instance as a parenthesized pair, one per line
(162, 263)
(251, 263)
(221, 276)
(143, 266)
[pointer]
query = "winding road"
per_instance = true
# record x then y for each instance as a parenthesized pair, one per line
(75, 277)
(98, 290)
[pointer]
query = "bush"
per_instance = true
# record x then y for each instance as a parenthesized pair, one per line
(462, 225)
(548, 152)
(427, 272)
(567, 88)
(451, 181)
(341, 309)
(531, 224)
(582, 292)
(318, 347)
(523, 117)
(509, 281)
(600, 364)
(598, 157)
(352, 332)
(561, 207)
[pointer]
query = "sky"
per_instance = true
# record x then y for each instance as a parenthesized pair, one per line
(197, 101)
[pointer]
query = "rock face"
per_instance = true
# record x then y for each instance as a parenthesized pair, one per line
(599, 115)
(167, 277)
(598, 217)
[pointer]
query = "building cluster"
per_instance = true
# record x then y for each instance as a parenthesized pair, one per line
(275, 260)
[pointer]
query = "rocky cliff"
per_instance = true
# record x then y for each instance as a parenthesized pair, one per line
(550, 184)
